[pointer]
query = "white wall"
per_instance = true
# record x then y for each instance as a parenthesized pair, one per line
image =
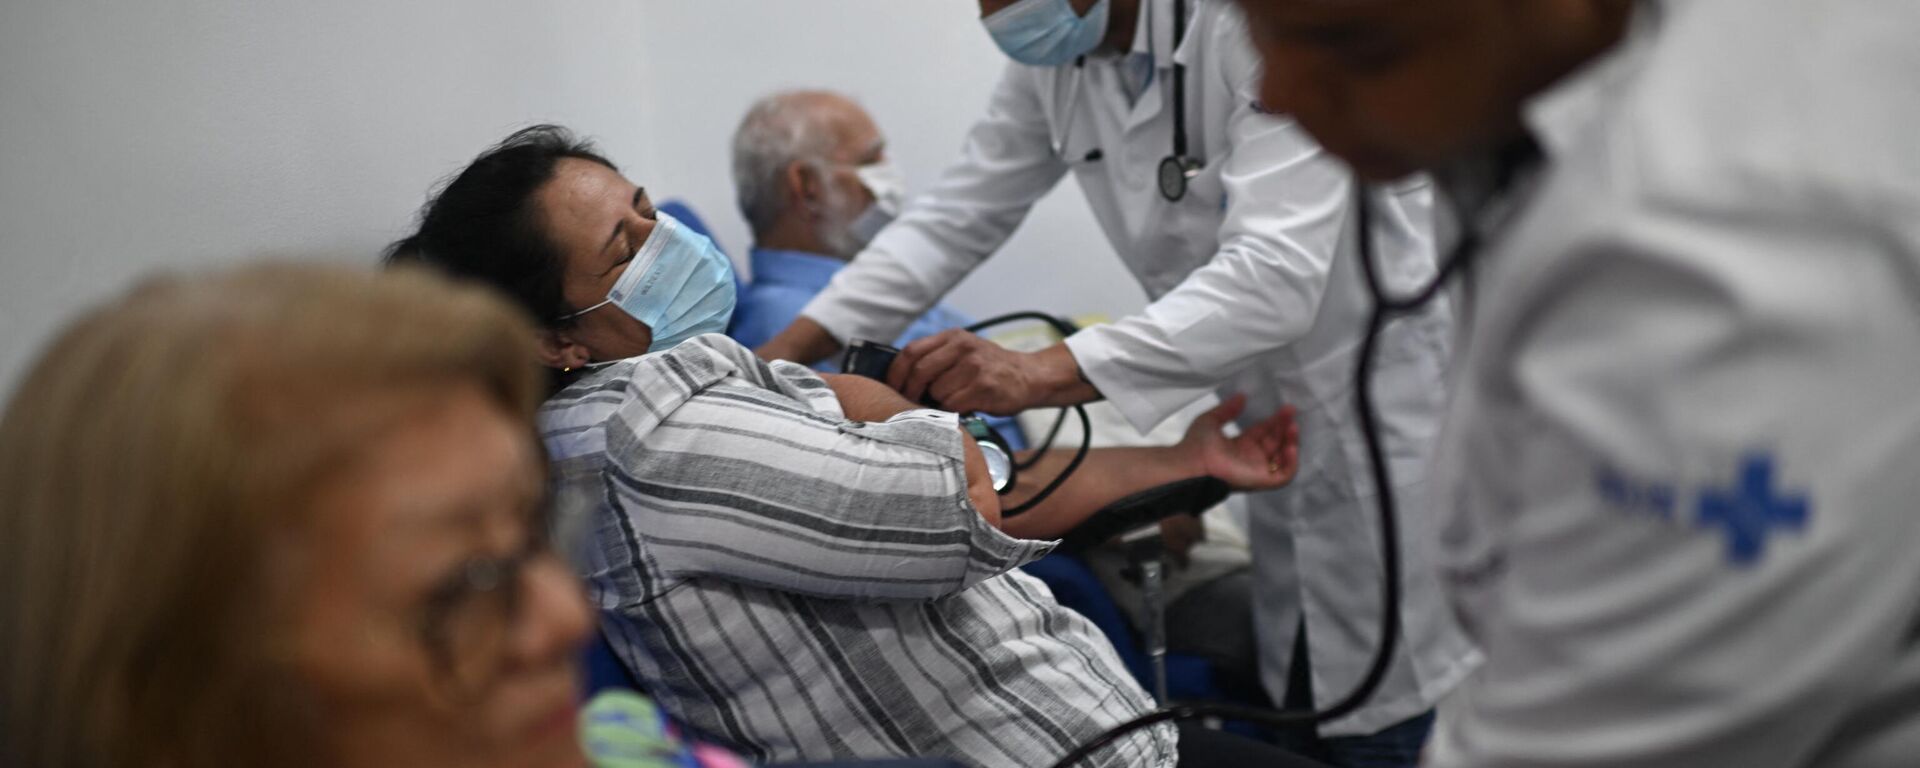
(923, 68)
(141, 136)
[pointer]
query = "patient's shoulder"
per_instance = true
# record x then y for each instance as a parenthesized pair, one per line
(642, 391)
(717, 353)
(782, 378)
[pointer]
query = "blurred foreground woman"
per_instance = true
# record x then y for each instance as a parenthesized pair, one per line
(280, 516)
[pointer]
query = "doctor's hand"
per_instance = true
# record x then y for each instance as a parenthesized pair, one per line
(1264, 456)
(963, 372)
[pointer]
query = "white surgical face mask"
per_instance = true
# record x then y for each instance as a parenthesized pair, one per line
(882, 180)
(845, 230)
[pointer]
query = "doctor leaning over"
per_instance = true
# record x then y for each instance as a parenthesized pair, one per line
(1678, 482)
(1238, 227)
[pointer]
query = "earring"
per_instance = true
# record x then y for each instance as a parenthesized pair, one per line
(566, 369)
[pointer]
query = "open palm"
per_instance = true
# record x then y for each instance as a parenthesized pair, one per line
(1265, 455)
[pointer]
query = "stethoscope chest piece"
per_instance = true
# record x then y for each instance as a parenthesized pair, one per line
(1176, 171)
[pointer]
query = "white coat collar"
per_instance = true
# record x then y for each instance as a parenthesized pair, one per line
(1167, 50)
(1558, 116)
(1153, 32)
(1556, 119)
(1143, 32)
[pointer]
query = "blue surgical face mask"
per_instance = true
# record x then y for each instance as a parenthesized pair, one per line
(1047, 33)
(679, 284)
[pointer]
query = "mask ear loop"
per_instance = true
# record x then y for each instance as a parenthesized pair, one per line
(564, 318)
(663, 221)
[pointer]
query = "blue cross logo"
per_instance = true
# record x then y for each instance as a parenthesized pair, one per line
(1750, 509)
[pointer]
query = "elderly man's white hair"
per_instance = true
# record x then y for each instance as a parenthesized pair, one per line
(779, 130)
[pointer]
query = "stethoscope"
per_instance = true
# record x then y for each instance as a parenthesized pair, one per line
(1514, 160)
(1177, 170)
(1385, 307)
(873, 359)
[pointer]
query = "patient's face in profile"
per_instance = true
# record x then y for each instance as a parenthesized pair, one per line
(598, 220)
(857, 142)
(432, 627)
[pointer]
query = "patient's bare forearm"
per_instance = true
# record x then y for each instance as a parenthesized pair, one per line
(803, 341)
(1108, 475)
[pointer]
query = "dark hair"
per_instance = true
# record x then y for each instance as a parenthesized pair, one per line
(482, 225)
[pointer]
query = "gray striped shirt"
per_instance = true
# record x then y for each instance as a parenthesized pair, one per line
(806, 587)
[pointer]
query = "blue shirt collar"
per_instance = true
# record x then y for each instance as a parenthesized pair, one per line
(796, 268)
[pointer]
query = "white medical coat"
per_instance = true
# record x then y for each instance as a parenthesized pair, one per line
(1254, 289)
(1679, 479)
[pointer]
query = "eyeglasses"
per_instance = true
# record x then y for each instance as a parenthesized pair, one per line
(468, 620)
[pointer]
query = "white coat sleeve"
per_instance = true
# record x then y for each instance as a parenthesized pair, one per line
(1287, 202)
(1708, 487)
(1007, 164)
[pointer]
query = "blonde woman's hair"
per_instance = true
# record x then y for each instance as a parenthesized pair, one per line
(148, 464)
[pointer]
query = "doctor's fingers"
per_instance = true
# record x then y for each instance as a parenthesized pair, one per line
(981, 395)
(966, 388)
(924, 381)
(959, 380)
(912, 372)
(987, 377)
